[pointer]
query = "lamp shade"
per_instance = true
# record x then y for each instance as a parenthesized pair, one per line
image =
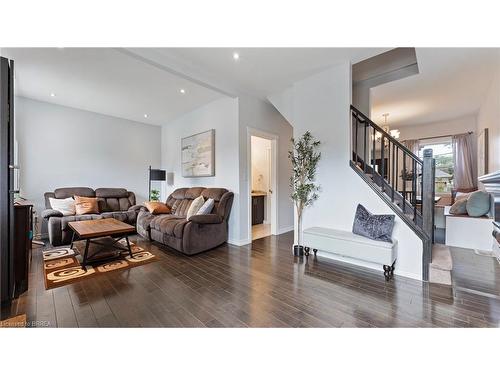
(157, 175)
(170, 178)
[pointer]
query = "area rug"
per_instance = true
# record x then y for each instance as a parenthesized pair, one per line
(62, 265)
(18, 321)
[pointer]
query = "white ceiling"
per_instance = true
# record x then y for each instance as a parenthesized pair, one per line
(107, 81)
(452, 82)
(129, 83)
(259, 71)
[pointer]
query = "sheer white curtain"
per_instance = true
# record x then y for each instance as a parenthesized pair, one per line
(412, 145)
(463, 160)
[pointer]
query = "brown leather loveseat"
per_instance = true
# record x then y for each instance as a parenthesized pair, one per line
(114, 203)
(200, 232)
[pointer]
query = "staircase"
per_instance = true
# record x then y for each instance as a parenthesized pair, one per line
(405, 182)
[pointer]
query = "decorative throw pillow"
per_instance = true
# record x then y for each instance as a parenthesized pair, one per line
(478, 203)
(65, 206)
(375, 227)
(459, 207)
(157, 208)
(194, 207)
(460, 195)
(85, 205)
(174, 207)
(207, 207)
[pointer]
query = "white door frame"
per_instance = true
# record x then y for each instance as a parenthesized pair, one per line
(274, 185)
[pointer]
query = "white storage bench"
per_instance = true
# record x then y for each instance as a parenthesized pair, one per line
(347, 244)
(469, 232)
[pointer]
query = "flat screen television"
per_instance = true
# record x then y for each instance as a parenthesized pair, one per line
(7, 177)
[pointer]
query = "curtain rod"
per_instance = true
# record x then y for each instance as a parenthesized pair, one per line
(441, 136)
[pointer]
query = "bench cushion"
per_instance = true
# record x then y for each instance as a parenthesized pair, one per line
(351, 245)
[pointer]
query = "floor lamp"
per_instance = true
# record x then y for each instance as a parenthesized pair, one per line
(155, 175)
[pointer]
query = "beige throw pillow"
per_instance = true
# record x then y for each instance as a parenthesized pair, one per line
(86, 206)
(195, 206)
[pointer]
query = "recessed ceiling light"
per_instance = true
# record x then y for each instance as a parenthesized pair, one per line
(236, 56)
(52, 94)
(145, 115)
(182, 91)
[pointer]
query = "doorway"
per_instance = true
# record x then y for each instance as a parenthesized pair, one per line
(262, 184)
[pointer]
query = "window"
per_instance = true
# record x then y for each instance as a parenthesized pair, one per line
(442, 150)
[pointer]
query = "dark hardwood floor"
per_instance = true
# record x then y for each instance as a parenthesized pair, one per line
(259, 285)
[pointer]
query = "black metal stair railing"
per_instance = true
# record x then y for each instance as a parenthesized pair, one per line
(396, 170)
(403, 180)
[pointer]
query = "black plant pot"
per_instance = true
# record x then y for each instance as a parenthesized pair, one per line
(298, 250)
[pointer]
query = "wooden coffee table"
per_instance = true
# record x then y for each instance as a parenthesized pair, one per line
(90, 230)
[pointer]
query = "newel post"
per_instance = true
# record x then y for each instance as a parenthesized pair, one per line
(428, 193)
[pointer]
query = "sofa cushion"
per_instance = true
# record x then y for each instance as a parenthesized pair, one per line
(144, 219)
(51, 213)
(213, 193)
(125, 216)
(172, 226)
(111, 193)
(72, 191)
(68, 219)
(194, 192)
(157, 220)
(478, 204)
(183, 207)
(179, 194)
(114, 199)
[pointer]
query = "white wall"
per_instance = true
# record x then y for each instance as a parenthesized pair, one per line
(489, 117)
(221, 115)
(62, 147)
(257, 114)
(321, 105)
(230, 118)
(453, 126)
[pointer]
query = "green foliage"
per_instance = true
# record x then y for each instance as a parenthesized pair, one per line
(155, 195)
(304, 157)
(445, 163)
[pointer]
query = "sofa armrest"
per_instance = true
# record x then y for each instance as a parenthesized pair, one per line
(206, 219)
(136, 207)
(51, 213)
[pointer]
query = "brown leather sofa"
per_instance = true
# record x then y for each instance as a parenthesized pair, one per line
(200, 232)
(114, 203)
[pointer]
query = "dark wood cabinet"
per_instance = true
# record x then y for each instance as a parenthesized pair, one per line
(23, 236)
(258, 209)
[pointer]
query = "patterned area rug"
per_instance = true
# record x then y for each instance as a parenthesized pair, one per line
(62, 265)
(18, 321)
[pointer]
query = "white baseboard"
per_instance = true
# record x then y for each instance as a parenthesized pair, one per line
(236, 242)
(285, 229)
(409, 275)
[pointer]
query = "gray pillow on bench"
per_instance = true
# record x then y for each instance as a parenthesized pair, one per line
(375, 227)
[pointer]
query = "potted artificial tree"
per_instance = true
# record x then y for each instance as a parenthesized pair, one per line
(155, 195)
(304, 157)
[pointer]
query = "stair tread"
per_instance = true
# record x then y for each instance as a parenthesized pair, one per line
(437, 276)
(441, 258)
